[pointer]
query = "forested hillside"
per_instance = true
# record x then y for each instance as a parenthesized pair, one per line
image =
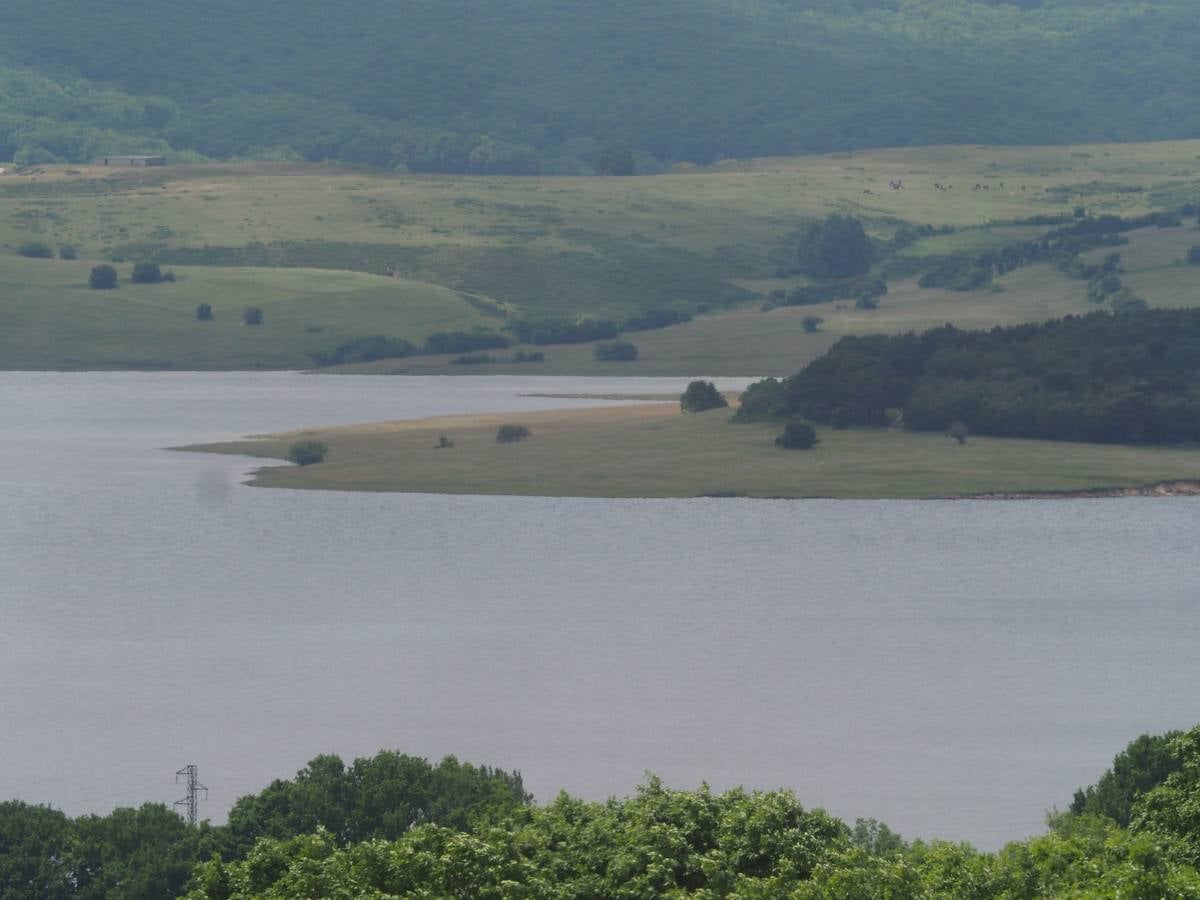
(557, 85)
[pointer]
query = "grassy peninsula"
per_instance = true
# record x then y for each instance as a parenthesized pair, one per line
(653, 450)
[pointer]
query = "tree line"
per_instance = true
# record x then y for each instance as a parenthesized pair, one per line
(394, 825)
(1102, 377)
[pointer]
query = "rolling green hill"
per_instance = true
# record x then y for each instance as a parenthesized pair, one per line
(546, 85)
(488, 251)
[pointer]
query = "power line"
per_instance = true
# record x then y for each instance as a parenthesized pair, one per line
(194, 787)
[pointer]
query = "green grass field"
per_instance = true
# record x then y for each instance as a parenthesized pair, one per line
(653, 450)
(712, 239)
(51, 319)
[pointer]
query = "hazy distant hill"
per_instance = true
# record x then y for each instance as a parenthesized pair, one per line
(528, 85)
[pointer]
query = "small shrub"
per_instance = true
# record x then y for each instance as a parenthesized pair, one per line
(306, 453)
(36, 250)
(958, 430)
(443, 443)
(797, 436)
(701, 396)
(1193, 255)
(811, 324)
(615, 351)
(510, 434)
(867, 301)
(536, 356)
(252, 316)
(67, 251)
(204, 312)
(473, 359)
(102, 278)
(146, 273)
(169, 275)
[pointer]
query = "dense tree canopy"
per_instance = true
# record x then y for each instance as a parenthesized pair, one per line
(1101, 377)
(567, 87)
(394, 825)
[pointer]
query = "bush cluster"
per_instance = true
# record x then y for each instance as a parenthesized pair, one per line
(615, 351)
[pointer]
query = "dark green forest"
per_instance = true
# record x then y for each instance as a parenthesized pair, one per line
(398, 826)
(1105, 377)
(558, 86)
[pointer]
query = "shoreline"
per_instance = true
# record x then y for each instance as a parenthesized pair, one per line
(1172, 488)
(649, 450)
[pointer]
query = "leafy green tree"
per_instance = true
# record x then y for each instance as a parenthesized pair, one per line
(1193, 255)
(146, 273)
(1170, 811)
(797, 436)
(102, 278)
(379, 797)
(811, 324)
(307, 453)
(1144, 764)
(204, 312)
(761, 400)
(252, 315)
(837, 247)
(147, 852)
(34, 846)
(701, 396)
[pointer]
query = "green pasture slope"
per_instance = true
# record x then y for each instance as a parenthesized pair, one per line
(50, 319)
(477, 251)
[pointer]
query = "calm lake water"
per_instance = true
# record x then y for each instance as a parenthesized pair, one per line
(951, 668)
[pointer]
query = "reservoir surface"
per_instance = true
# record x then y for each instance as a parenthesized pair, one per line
(953, 668)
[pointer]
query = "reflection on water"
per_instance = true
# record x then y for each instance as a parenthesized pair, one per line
(953, 668)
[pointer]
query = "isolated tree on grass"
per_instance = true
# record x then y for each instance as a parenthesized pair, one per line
(307, 453)
(510, 434)
(252, 316)
(103, 278)
(146, 273)
(811, 324)
(204, 312)
(797, 436)
(701, 396)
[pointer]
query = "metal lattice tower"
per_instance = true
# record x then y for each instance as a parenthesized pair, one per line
(194, 787)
